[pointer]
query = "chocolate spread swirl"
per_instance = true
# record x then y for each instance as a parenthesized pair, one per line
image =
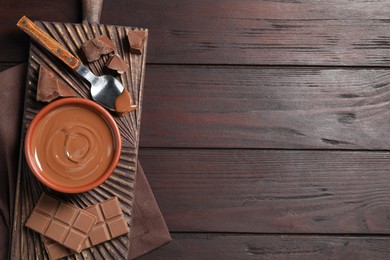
(74, 145)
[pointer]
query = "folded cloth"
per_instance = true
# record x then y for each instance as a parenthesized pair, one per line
(148, 230)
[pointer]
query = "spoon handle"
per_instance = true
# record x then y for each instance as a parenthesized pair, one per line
(48, 42)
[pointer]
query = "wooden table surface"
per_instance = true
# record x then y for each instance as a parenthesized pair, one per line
(266, 124)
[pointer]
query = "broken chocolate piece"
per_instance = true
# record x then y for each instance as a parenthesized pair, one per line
(105, 44)
(98, 46)
(117, 63)
(61, 222)
(54, 249)
(136, 40)
(50, 87)
(110, 224)
(91, 51)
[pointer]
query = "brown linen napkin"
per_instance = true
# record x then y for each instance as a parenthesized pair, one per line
(149, 230)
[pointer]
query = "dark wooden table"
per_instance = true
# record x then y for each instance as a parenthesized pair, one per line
(266, 124)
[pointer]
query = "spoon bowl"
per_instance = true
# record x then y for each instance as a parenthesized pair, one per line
(104, 89)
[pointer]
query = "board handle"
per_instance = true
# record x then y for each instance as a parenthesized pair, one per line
(92, 10)
(46, 41)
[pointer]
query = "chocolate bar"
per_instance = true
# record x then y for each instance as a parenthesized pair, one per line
(61, 222)
(110, 224)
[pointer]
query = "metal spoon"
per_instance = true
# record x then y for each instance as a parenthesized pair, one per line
(104, 89)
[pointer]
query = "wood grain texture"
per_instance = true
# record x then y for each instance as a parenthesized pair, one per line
(257, 41)
(266, 107)
(14, 43)
(280, 203)
(271, 191)
(220, 246)
(25, 242)
(343, 32)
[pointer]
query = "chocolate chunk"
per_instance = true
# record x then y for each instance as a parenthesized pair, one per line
(136, 40)
(105, 44)
(98, 46)
(61, 222)
(50, 87)
(117, 63)
(110, 224)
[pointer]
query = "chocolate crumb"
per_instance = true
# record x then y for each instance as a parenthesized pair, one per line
(98, 46)
(50, 87)
(136, 40)
(117, 63)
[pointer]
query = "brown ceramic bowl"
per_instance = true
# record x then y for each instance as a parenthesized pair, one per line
(72, 145)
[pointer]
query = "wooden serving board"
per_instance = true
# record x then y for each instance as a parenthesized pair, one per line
(27, 244)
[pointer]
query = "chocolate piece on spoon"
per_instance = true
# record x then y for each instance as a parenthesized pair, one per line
(50, 87)
(124, 104)
(98, 46)
(136, 40)
(117, 64)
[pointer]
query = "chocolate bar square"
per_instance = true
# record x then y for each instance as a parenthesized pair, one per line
(61, 222)
(110, 221)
